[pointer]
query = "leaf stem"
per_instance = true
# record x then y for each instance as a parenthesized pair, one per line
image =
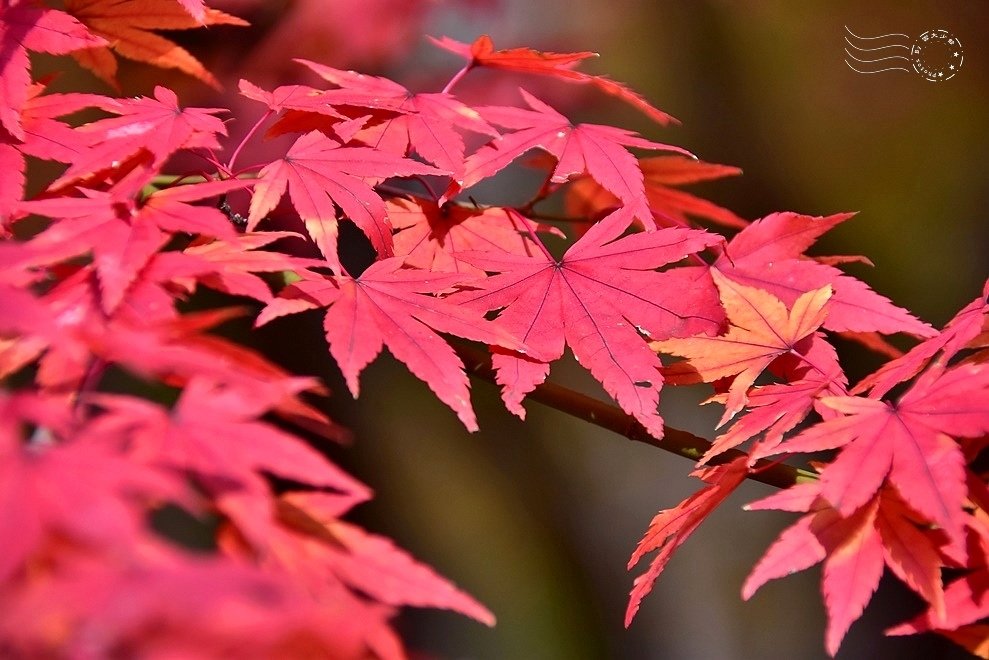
(457, 77)
(254, 129)
(606, 416)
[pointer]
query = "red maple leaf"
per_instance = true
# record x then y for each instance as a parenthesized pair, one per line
(598, 150)
(321, 175)
(965, 604)
(672, 527)
(190, 607)
(23, 27)
(556, 65)
(155, 125)
(290, 97)
(425, 123)
(388, 306)
(760, 331)
(774, 410)
(600, 299)
(908, 444)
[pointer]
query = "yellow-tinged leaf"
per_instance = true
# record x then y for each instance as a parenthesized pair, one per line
(761, 329)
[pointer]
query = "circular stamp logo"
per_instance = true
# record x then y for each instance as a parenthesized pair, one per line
(937, 55)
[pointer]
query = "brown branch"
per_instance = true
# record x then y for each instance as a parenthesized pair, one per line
(606, 416)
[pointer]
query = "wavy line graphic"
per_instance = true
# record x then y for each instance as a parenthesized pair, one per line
(872, 60)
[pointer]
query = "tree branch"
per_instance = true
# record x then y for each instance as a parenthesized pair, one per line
(606, 416)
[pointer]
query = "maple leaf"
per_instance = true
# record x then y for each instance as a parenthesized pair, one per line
(672, 527)
(854, 549)
(669, 206)
(760, 330)
(773, 410)
(127, 26)
(907, 444)
(24, 27)
(425, 123)
(768, 254)
(431, 236)
(388, 306)
(595, 149)
(155, 125)
(47, 138)
(597, 299)
(122, 234)
(321, 175)
(556, 65)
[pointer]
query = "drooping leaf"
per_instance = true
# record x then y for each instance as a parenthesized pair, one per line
(366, 562)
(854, 550)
(851, 571)
(600, 299)
(672, 527)
(128, 27)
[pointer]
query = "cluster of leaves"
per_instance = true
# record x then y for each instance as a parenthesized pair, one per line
(96, 268)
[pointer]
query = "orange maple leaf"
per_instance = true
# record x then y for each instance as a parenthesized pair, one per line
(760, 330)
(127, 26)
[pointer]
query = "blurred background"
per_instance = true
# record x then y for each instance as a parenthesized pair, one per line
(537, 520)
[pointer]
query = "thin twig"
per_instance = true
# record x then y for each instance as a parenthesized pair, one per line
(606, 416)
